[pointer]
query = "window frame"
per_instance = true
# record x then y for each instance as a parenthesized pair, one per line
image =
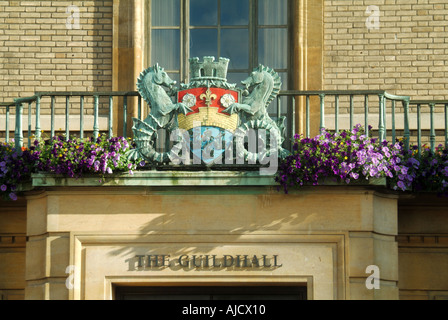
(253, 27)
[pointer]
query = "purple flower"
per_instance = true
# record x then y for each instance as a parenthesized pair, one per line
(354, 175)
(13, 196)
(445, 171)
(414, 162)
(3, 188)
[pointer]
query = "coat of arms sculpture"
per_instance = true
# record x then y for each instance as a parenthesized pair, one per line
(208, 119)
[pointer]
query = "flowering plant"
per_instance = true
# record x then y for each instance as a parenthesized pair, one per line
(429, 169)
(15, 168)
(344, 156)
(72, 158)
(76, 157)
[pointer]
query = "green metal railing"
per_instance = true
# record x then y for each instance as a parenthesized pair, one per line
(35, 101)
(386, 105)
(383, 99)
(7, 107)
(432, 131)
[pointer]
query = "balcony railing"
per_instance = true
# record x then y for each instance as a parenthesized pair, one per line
(432, 104)
(378, 109)
(384, 99)
(35, 107)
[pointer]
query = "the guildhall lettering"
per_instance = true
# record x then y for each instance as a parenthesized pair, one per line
(154, 261)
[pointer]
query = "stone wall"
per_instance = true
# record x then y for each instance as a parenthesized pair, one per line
(12, 249)
(320, 240)
(423, 247)
(407, 239)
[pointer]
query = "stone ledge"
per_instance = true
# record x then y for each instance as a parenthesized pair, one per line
(158, 179)
(180, 179)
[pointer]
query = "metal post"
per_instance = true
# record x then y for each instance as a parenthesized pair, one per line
(381, 128)
(419, 130)
(322, 111)
(96, 127)
(29, 123)
(279, 108)
(67, 118)
(308, 129)
(432, 134)
(139, 107)
(407, 133)
(7, 124)
(111, 114)
(351, 111)
(81, 118)
(393, 122)
(18, 136)
(446, 125)
(53, 101)
(38, 127)
(366, 115)
(125, 116)
(336, 114)
(293, 125)
(384, 117)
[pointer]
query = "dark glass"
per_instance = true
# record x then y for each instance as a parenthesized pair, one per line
(234, 12)
(175, 76)
(203, 12)
(236, 78)
(203, 42)
(273, 48)
(165, 13)
(235, 46)
(273, 12)
(165, 49)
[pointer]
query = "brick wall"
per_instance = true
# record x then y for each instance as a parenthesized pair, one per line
(38, 52)
(407, 55)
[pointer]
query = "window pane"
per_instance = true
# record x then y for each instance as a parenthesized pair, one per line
(235, 46)
(284, 77)
(272, 48)
(284, 100)
(175, 77)
(272, 12)
(165, 49)
(203, 42)
(203, 12)
(236, 78)
(235, 12)
(165, 13)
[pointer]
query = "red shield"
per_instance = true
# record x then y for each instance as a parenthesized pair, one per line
(208, 105)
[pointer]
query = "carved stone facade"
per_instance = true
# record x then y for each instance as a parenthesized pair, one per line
(324, 237)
